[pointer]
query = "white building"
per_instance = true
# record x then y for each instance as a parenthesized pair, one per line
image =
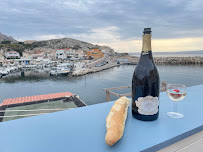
(79, 54)
(60, 54)
(51, 56)
(27, 55)
(1, 58)
(1, 51)
(70, 53)
(65, 53)
(12, 55)
(38, 58)
(29, 41)
(106, 52)
(22, 61)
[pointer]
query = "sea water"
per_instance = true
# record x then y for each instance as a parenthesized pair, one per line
(90, 87)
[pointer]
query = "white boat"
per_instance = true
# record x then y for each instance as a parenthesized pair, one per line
(64, 65)
(7, 70)
(57, 72)
(12, 69)
(39, 66)
(4, 72)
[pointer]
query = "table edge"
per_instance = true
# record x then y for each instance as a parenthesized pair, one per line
(173, 140)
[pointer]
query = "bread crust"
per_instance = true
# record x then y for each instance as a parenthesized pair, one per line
(115, 121)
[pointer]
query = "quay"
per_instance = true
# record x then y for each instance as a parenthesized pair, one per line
(94, 69)
(83, 67)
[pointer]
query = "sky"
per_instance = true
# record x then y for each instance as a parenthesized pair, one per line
(177, 25)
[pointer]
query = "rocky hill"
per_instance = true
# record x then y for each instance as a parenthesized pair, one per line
(69, 43)
(5, 38)
(53, 45)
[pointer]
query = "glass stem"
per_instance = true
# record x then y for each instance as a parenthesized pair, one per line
(175, 107)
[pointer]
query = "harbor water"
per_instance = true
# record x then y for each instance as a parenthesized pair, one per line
(90, 87)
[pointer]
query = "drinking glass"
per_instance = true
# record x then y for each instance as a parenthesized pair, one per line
(176, 92)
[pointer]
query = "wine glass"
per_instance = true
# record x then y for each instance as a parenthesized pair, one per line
(176, 92)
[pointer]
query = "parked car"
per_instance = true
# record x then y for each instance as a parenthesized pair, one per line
(98, 65)
(101, 64)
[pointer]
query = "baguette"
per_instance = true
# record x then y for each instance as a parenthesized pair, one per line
(115, 121)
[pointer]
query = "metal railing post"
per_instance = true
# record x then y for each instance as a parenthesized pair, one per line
(107, 96)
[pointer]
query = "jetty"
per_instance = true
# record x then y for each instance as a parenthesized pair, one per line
(179, 60)
(92, 67)
(164, 60)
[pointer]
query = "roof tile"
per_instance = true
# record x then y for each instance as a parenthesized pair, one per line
(34, 98)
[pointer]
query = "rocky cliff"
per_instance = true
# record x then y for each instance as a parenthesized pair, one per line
(5, 38)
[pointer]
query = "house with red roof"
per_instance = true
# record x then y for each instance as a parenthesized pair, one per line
(12, 55)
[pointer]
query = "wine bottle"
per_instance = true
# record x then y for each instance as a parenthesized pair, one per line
(145, 83)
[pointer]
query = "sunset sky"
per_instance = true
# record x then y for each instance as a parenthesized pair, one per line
(177, 25)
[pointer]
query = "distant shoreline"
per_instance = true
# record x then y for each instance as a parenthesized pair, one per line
(166, 60)
(173, 54)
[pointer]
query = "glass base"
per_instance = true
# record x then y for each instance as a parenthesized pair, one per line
(175, 115)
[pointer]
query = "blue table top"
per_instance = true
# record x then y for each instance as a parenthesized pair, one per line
(84, 129)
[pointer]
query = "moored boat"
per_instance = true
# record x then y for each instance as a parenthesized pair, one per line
(4, 72)
(60, 72)
(62, 69)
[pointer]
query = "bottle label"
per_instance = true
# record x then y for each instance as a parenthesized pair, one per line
(147, 105)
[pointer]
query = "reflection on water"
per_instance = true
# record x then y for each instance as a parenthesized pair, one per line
(90, 87)
(27, 75)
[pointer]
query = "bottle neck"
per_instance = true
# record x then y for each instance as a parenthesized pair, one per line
(146, 46)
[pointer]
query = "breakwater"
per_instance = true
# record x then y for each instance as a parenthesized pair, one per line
(135, 60)
(167, 60)
(178, 60)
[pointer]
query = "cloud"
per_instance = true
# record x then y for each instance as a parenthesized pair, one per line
(99, 35)
(160, 45)
(103, 35)
(109, 36)
(49, 37)
(194, 5)
(181, 44)
(113, 22)
(79, 4)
